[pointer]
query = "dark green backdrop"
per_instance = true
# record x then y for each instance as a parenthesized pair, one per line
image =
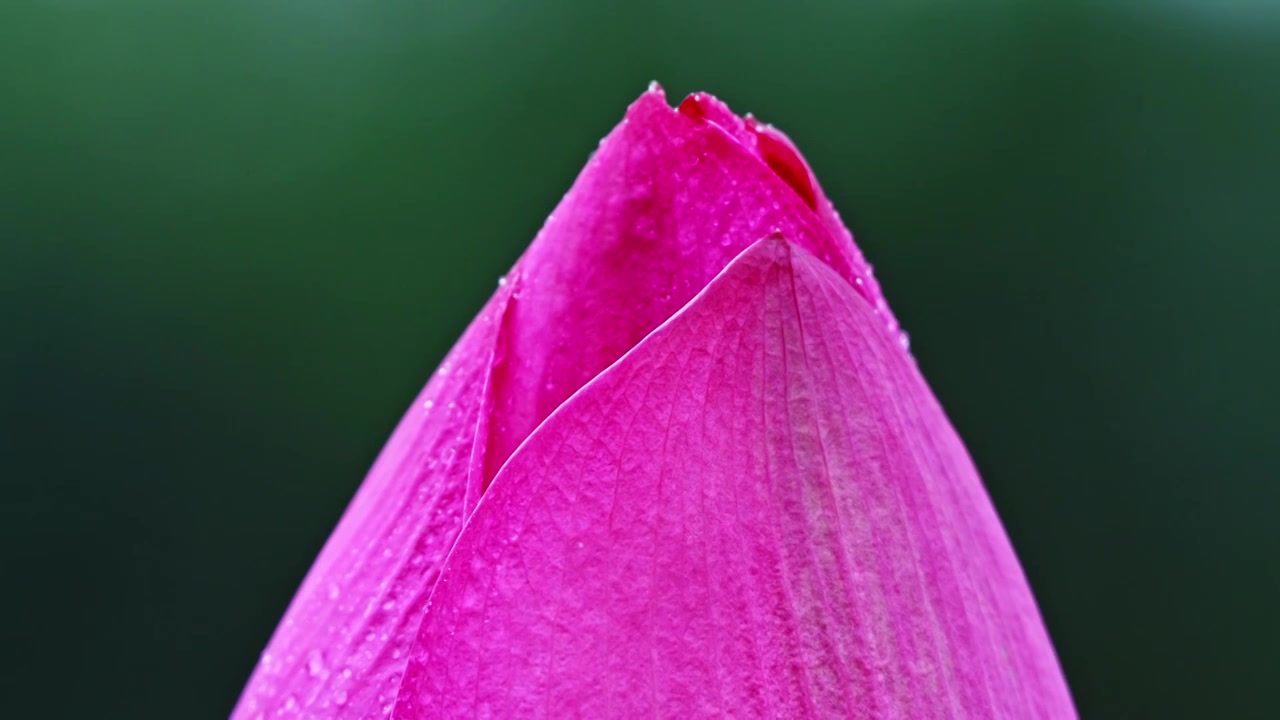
(238, 235)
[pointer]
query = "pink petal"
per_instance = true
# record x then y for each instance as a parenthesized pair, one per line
(759, 511)
(666, 202)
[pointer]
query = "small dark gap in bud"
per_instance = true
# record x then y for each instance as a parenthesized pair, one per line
(783, 161)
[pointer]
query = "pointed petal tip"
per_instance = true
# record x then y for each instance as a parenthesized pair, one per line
(653, 98)
(769, 252)
(761, 139)
(779, 153)
(705, 107)
(698, 106)
(654, 125)
(774, 246)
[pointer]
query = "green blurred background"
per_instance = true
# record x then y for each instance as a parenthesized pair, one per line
(238, 235)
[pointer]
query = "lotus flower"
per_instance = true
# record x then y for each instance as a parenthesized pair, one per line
(681, 465)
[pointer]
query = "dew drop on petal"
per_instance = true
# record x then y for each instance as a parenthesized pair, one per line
(315, 664)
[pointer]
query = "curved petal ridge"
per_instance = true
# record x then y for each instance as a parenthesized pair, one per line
(759, 511)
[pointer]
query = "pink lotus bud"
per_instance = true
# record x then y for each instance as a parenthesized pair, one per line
(681, 465)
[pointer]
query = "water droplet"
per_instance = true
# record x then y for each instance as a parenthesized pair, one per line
(291, 703)
(334, 591)
(315, 664)
(346, 673)
(580, 545)
(429, 404)
(340, 697)
(904, 340)
(389, 605)
(502, 281)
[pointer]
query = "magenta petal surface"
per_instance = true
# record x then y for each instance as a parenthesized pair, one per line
(759, 512)
(668, 199)
(806, 537)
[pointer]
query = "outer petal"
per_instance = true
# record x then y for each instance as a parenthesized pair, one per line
(759, 512)
(666, 202)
